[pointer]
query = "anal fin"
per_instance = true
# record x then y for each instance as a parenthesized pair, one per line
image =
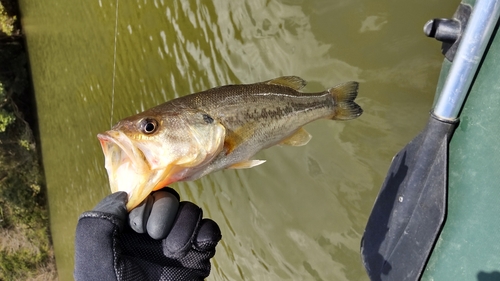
(246, 164)
(299, 138)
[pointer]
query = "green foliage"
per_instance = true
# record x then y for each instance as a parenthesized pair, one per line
(6, 22)
(24, 262)
(26, 145)
(12, 262)
(6, 118)
(18, 264)
(23, 211)
(25, 246)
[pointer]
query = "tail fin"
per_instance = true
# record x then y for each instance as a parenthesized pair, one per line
(343, 96)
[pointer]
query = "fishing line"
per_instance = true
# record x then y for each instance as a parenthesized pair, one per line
(114, 66)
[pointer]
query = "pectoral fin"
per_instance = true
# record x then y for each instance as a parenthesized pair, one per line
(234, 138)
(246, 164)
(299, 138)
(293, 82)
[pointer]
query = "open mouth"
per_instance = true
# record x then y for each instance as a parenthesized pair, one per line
(128, 168)
(120, 152)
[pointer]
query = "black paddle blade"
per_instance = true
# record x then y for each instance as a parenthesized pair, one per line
(410, 208)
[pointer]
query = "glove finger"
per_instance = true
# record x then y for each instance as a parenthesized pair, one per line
(114, 204)
(162, 215)
(208, 236)
(138, 217)
(186, 223)
(171, 190)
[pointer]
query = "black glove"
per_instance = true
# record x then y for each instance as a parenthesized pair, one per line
(161, 239)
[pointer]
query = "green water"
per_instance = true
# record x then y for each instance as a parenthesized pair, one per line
(301, 215)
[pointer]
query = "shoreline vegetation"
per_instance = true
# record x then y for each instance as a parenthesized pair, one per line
(26, 251)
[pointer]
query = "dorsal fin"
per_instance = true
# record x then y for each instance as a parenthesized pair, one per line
(293, 82)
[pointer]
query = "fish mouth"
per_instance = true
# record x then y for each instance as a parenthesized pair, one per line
(119, 151)
(128, 169)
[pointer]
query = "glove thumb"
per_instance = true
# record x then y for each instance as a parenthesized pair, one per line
(114, 204)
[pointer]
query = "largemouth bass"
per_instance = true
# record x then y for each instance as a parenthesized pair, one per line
(191, 136)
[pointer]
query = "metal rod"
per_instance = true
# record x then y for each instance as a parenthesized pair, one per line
(469, 54)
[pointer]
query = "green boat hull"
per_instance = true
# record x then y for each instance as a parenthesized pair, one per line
(469, 244)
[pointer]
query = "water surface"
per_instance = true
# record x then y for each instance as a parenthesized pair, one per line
(301, 215)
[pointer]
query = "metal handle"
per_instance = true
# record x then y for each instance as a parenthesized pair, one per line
(470, 52)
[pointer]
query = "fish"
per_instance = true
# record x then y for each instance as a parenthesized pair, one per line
(191, 136)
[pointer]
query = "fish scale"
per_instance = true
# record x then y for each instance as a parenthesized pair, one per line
(224, 127)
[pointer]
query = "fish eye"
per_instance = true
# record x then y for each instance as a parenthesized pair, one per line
(149, 125)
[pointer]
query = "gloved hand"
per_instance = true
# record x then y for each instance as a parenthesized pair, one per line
(161, 239)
